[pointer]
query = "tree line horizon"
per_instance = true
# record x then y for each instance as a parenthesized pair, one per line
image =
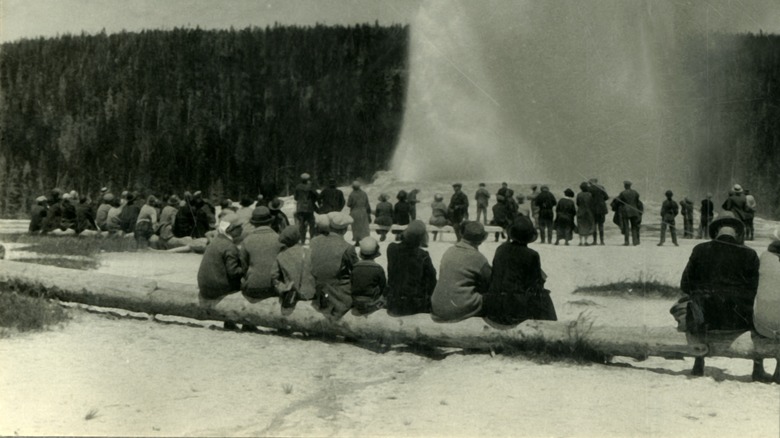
(237, 112)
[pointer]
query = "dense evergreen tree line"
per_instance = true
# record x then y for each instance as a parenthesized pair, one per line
(228, 112)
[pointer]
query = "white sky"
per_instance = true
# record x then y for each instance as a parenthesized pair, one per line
(33, 18)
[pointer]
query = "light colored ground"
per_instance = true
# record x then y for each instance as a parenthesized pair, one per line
(151, 378)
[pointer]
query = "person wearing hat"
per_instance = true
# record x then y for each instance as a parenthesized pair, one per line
(438, 213)
(545, 202)
(280, 221)
(565, 212)
(600, 197)
(766, 308)
(360, 210)
(101, 216)
(368, 279)
(686, 209)
(464, 275)
(586, 223)
(258, 255)
(750, 212)
(220, 271)
(720, 280)
(482, 196)
(631, 213)
(669, 210)
(291, 273)
(164, 231)
(321, 225)
(736, 203)
(383, 217)
(331, 198)
(332, 260)
(412, 200)
(707, 214)
(502, 217)
(130, 213)
(85, 217)
(401, 213)
(113, 217)
(146, 223)
(517, 290)
(305, 205)
(38, 215)
(69, 218)
(411, 276)
(458, 210)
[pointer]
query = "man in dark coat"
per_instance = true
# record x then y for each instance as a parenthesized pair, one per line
(458, 210)
(707, 213)
(502, 217)
(545, 202)
(721, 279)
(411, 276)
(220, 270)
(258, 255)
(205, 215)
(306, 204)
(54, 213)
(184, 224)
(669, 210)
(331, 198)
(630, 212)
(68, 212)
(332, 260)
(129, 215)
(38, 215)
(85, 216)
(600, 197)
(737, 203)
(686, 208)
(517, 290)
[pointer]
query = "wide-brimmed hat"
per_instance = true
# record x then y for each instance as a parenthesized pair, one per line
(474, 232)
(727, 219)
(174, 201)
(369, 248)
(522, 230)
(275, 205)
(339, 221)
(737, 188)
(261, 216)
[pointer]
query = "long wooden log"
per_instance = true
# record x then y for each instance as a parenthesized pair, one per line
(160, 297)
(430, 228)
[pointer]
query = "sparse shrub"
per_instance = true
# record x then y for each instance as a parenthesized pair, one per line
(288, 388)
(92, 414)
(644, 286)
(22, 313)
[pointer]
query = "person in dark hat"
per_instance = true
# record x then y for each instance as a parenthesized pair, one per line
(669, 210)
(631, 213)
(411, 276)
(565, 212)
(306, 205)
(545, 202)
(368, 279)
(401, 213)
(383, 217)
(720, 281)
(438, 213)
(258, 254)
(517, 290)
(331, 198)
(458, 210)
(280, 221)
(502, 217)
(464, 275)
(586, 223)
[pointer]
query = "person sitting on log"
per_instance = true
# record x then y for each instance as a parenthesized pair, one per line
(411, 276)
(766, 310)
(258, 255)
(332, 260)
(280, 220)
(720, 280)
(220, 270)
(291, 274)
(464, 277)
(38, 215)
(146, 223)
(368, 279)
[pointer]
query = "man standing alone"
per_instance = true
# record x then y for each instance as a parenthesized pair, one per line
(599, 194)
(458, 209)
(306, 199)
(669, 210)
(631, 213)
(482, 196)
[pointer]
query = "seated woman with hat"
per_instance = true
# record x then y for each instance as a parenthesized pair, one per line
(384, 217)
(517, 288)
(721, 280)
(411, 276)
(464, 277)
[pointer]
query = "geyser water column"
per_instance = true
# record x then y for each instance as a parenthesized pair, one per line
(556, 90)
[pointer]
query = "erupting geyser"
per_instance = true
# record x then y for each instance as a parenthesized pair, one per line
(557, 90)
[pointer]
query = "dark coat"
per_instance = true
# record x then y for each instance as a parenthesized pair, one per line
(85, 217)
(258, 255)
(129, 217)
(565, 212)
(629, 198)
(220, 269)
(305, 198)
(411, 279)
(737, 204)
(545, 201)
(586, 221)
(331, 199)
(279, 222)
(384, 214)
(502, 217)
(53, 217)
(686, 208)
(707, 209)
(37, 216)
(402, 213)
(517, 286)
(722, 279)
(205, 219)
(368, 286)
(669, 211)
(600, 198)
(458, 208)
(184, 224)
(69, 216)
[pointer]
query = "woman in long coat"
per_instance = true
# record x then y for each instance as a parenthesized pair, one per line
(360, 210)
(565, 212)
(585, 220)
(383, 216)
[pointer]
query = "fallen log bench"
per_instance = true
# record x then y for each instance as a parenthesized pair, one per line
(430, 228)
(177, 299)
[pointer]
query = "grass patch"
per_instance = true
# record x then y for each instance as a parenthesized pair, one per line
(644, 286)
(82, 264)
(23, 313)
(87, 246)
